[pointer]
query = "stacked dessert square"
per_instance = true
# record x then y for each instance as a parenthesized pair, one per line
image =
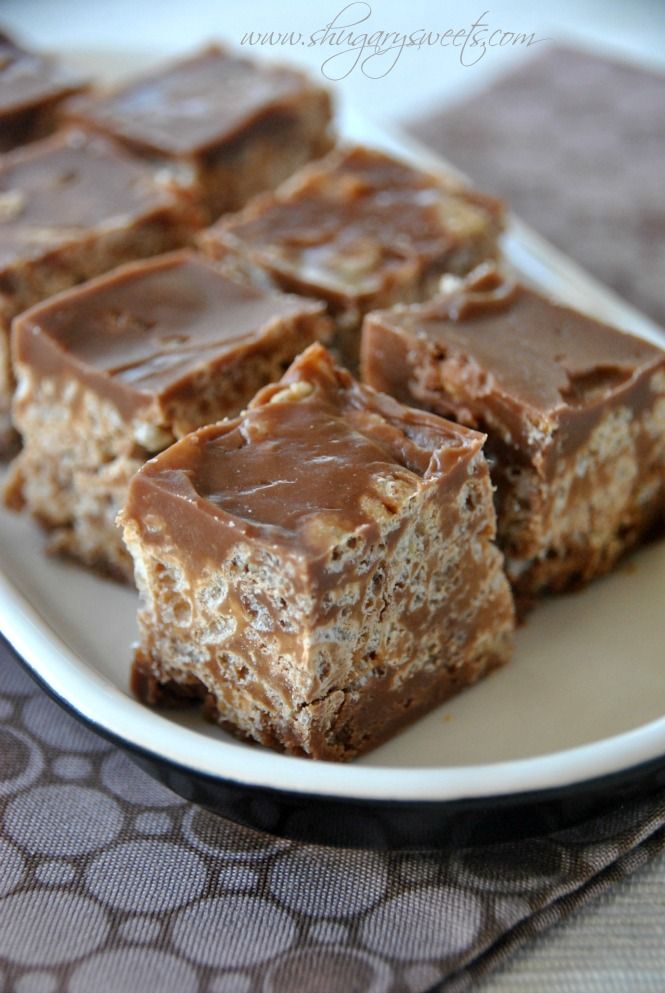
(32, 88)
(359, 230)
(320, 559)
(242, 127)
(574, 413)
(72, 206)
(138, 171)
(114, 371)
(319, 569)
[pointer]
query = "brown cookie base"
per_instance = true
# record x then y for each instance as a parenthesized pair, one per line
(363, 721)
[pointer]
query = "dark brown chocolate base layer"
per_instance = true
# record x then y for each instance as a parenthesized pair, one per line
(360, 725)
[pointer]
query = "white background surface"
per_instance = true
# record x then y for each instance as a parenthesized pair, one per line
(618, 945)
(634, 28)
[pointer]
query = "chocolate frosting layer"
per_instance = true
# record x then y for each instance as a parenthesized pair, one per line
(194, 105)
(147, 325)
(284, 465)
(494, 348)
(61, 188)
(533, 349)
(307, 462)
(356, 220)
(28, 80)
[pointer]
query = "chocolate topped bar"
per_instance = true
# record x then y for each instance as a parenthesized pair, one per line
(295, 473)
(360, 229)
(218, 111)
(73, 206)
(60, 190)
(138, 335)
(189, 107)
(574, 411)
(115, 370)
(320, 569)
(31, 87)
(537, 368)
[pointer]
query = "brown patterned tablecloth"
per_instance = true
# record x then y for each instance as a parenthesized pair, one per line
(109, 883)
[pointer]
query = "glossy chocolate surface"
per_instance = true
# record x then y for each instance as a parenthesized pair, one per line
(145, 327)
(194, 105)
(301, 463)
(60, 189)
(494, 348)
(357, 223)
(29, 80)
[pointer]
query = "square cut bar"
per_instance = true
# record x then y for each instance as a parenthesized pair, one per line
(32, 87)
(574, 411)
(320, 570)
(360, 230)
(243, 126)
(113, 371)
(74, 206)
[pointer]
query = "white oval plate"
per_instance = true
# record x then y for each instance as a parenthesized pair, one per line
(584, 697)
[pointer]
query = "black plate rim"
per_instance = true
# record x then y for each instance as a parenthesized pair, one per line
(528, 812)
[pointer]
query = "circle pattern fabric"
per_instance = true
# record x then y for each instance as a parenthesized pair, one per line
(110, 882)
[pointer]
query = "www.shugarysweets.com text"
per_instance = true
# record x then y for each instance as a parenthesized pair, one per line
(355, 46)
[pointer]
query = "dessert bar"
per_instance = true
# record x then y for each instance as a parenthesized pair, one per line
(574, 411)
(241, 125)
(32, 87)
(114, 371)
(319, 570)
(360, 230)
(73, 206)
